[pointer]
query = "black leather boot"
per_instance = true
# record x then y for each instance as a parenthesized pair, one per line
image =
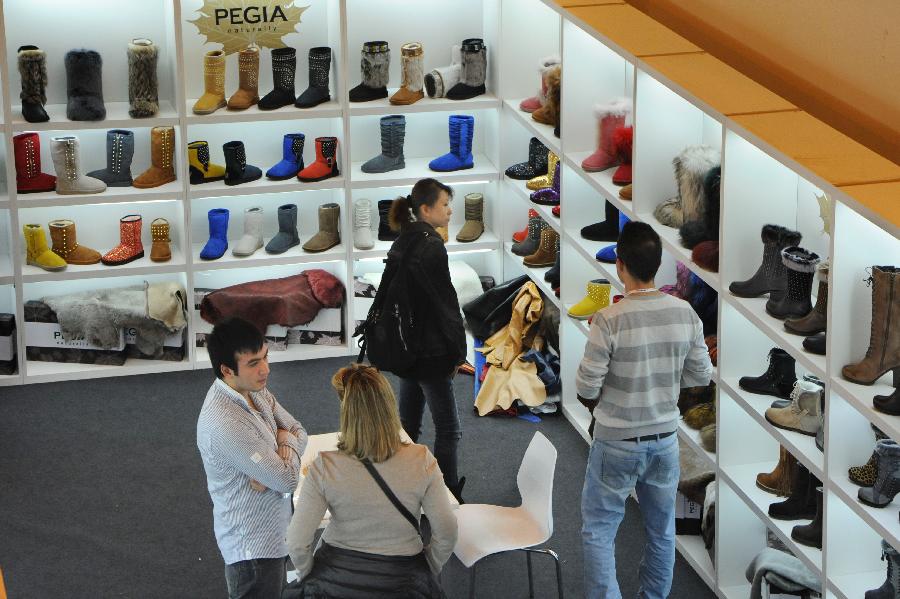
(815, 344)
(552, 275)
(237, 171)
(811, 534)
(890, 404)
(607, 230)
(801, 505)
(284, 67)
(777, 380)
(801, 269)
(770, 277)
(384, 229)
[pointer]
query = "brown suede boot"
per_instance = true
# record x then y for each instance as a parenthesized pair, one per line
(546, 252)
(162, 159)
(884, 342)
(625, 192)
(65, 244)
(213, 97)
(328, 235)
(780, 480)
(248, 90)
(548, 114)
(413, 75)
(160, 251)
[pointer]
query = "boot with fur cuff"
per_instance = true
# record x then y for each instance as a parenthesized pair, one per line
(143, 86)
(801, 268)
(84, 86)
(33, 74)
(375, 64)
(548, 113)
(473, 72)
(544, 67)
(413, 75)
(442, 79)
(284, 67)
(815, 321)
(771, 276)
(610, 116)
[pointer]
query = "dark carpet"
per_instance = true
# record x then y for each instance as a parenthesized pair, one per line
(102, 492)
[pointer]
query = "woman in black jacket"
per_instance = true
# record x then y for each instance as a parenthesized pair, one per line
(442, 337)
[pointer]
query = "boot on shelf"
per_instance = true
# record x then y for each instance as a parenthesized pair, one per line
(883, 353)
(252, 239)
(217, 243)
(393, 133)
(625, 192)
(608, 255)
(780, 480)
(473, 227)
(319, 69)
(890, 588)
(803, 415)
(771, 276)
(65, 244)
(778, 379)
(811, 534)
(610, 117)
(284, 68)
(287, 236)
(544, 67)
(362, 224)
(535, 166)
(549, 196)
(66, 154)
(328, 235)
(801, 268)
(545, 255)
(33, 74)
(130, 246)
(325, 165)
(548, 113)
(815, 344)
(520, 236)
(84, 86)
(889, 404)
(472, 72)
(160, 250)
(237, 171)
(462, 128)
(552, 275)
(596, 298)
(887, 485)
(29, 178)
(784, 403)
(801, 505)
(412, 75)
(622, 140)
(200, 168)
(291, 158)
(143, 85)
(546, 179)
(37, 253)
(867, 474)
(375, 66)
(119, 152)
(555, 211)
(607, 230)
(247, 93)
(385, 233)
(442, 79)
(162, 159)
(213, 97)
(530, 244)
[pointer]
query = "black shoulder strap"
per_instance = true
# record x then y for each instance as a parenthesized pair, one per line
(390, 495)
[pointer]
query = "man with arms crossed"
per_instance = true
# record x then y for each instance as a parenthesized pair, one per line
(251, 450)
(640, 352)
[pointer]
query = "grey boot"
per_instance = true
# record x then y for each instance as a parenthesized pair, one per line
(143, 86)
(393, 132)
(803, 415)
(252, 239)
(67, 162)
(530, 244)
(887, 485)
(473, 72)
(890, 589)
(84, 86)
(442, 79)
(319, 69)
(362, 224)
(474, 225)
(375, 64)
(287, 236)
(329, 225)
(119, 152)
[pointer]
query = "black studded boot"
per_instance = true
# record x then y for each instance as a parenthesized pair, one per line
(284, 66)
(801, 269)
(778, 379)
(319, 69)
(770, 277)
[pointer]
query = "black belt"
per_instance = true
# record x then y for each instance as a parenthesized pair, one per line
(656, 437)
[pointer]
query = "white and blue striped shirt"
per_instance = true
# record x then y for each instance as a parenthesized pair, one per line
(238, 444)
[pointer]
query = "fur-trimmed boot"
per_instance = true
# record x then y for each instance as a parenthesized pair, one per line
(413, 75)
(385, 232)
(29, 178)
(704, 224)
(610, 116)
(474, 225)
(778, 379)
(375, 65)
(213, 97)
(623, 138)
(473, 71)
(325, 165)
(535, 166)
(546, 179)
(119, 152)
(890, 588)
(143, 86)
(84, 86)
(237, 171)
(328, 234)
(291, 161)
(544, 66)
(199, 166)
(37, 253)
(548, 113)
(362, 224)
(217, 243)
(33, 73)
(287, 236)
(66, 154)
(815, 321)
(248, 80)
(393, 133)
(252, 239)
(883, 353)
(887, 485)
(319, 68)
(771, 276)
(162, 159)
(801, 269)
(65, 244)
(130, 246)
(691, 166)
(780, 480)
(442, 79)
(284, 68)
(462, 128)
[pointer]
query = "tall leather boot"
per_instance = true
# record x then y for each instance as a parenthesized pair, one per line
(385, 233)
(328, 234)
(362, 224)
(811, 534)
(29, 178)
(440, 80)
(33, 74)
(217, 244)
(237, 171)
(610, 116)
(780, 480)
(291, 158)
(160, 250)
(413, 75)
(375, 65)
(778, 379)
(883, 353)
(287, 236)
(252, 239)
(801, 505)
(319, 68)
(393, 133)
(325, 165)
(474, 225)
(66, 154)
(608, 230)
(473, 71)
(248, 87)
(546, 179)
(284, 67)
(527, 246)
(545, 255)
(84, 86)
(801, 268)
(535, 166)
(199, 166)
(890, 588)
(816, 320)
(771, 276)
(143, 86)
(37, 253)
(887, 485)
(462, 128)
(213, 97)
(65, 244)
(130, 246)
(162, 159)
(119, 152)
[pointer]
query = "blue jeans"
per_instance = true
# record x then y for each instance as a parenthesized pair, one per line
(438, 394)
(614, 469)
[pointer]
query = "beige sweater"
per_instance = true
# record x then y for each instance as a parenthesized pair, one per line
(363, 518)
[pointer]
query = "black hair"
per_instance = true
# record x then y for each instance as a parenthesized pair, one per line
(424, 193)
(229, 338)
(640, 250)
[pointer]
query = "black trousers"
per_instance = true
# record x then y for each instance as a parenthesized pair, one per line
(262, 578)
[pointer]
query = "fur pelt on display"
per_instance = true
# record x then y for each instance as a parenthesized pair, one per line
(554, 88)
(375, 68)
(413, 72)
(691, 166)
(706, 227)
(84, 86)
(474, 68)
(143, 86)
(33, 73)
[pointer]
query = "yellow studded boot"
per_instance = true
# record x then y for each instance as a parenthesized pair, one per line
(248, 89)
(596, 299)
(213, 97)
(201, 169)
(37, 253)
(542, 181)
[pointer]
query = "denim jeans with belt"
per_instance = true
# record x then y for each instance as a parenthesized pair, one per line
(438, 394)
(614, 469)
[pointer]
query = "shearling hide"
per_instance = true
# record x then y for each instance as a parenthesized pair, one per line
(33, 73)
(375, 68)
(413, 72)
(143, 87)
(706, 227)
(84, 86)
(474, 68)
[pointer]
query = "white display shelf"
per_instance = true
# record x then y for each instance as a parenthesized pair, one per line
(883, 520)
(6, 271)
(754, 309)
(692, 438)
(523, 193)
(580, 420)
(47, 372)
(671, 243)
(742, 480)
(487, 242)
(117, 117)
(141, 266)
(741, 591)
(293, 352)
(10, 379)
(536, 275)
(588, 249)
(4, 204)
(383, 106)
(326, 110)
(260, 258)
(860, 397)
(218, 189)
(803, 447)
(539, 130)
(582, 325)
(854, 586)
(417, 168)
(602, 182)
(112, 195)
(694, 551)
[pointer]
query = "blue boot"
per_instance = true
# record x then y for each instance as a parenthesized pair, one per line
(218, 235)
(460, 156)
(607, 255)
(292, 161)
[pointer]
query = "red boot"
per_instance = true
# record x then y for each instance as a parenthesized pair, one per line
(131, 248)
(29, 178)
(556, 210)
(519, 236)
(610, 116)
(325, 165)
(623, 139)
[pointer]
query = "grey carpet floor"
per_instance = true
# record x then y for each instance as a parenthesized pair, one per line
(102, 492)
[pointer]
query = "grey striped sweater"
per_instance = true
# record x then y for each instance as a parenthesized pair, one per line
(640, 352)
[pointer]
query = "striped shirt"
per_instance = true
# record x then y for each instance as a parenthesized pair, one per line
(640, 352)
(237, 444)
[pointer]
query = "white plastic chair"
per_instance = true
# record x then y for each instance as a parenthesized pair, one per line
(489, 529)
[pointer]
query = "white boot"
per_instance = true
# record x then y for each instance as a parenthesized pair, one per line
(66, 152)
(252, 239)
(362, 224)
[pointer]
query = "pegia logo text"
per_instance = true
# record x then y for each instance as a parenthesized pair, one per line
(260, 18)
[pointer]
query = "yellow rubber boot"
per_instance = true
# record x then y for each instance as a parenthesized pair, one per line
(201, 169)
(213, 97)
(542, 181)
(37, 252)
(596, 299)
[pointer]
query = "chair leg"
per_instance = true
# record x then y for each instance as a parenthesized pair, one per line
(472, 581)
(559, 580)
(530, 578)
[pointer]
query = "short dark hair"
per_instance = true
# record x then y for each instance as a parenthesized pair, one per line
(640, 250)
(229, 338)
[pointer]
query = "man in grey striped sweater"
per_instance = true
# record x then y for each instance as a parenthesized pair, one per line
(640, 352)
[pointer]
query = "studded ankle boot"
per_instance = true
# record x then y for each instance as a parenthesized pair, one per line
(393, 134)
(65, 244)
(319, 68)
(385, 233)
(119, 152)
(325, 165)
(292, 158)
(890, 588)
(545, 180)
(535, 166)
(801, 268)
(33, 74)
(596, 298)
(284, 66)
(780, 480)
(375, 64)
(29, 178)
(130, 246)
(545, 255)
(213, 97)
(528, 245)
(474, 225)
(413, 75)
(143, 85)
(887, 485)
(237, 171)
(199, 166)
(771, 276)
(778, 379)
(66, 154)
(162, 159)
(815, 321)
(883, 353)
(248, 71)
(160, 250)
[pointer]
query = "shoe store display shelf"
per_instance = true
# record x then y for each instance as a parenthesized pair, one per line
(601, 182)
(583, 326)
(383, 107)
(519, 189)
(488, 242)
(117, 117)
(49, 372)
(139, 267)
(541, 131)
(588, 250)
(326, 110)
(218, 189)
(694, 551)
(291, 354)
(417, 168)
(536, 274)
(112, 195)
(260, 258)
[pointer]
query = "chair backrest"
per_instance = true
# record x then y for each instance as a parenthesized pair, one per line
(535, 480)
